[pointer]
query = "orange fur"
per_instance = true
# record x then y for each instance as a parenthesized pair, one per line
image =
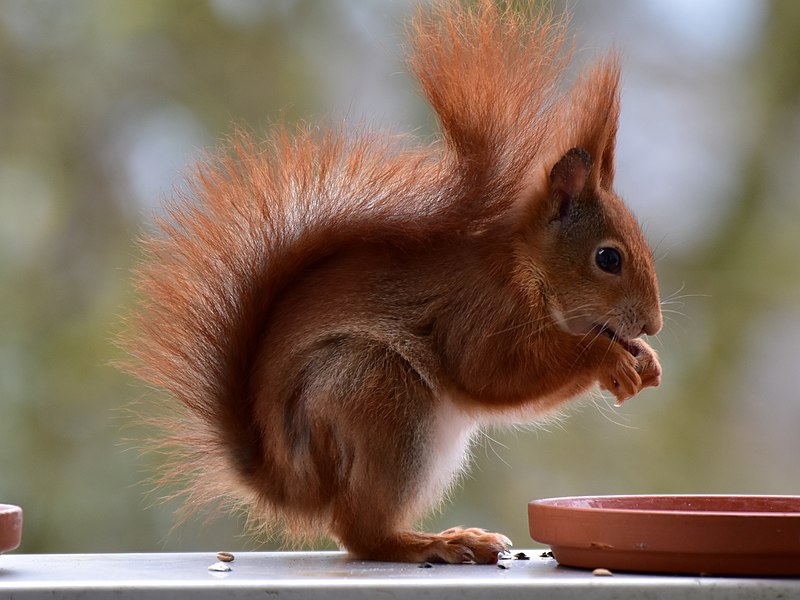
(336, 315)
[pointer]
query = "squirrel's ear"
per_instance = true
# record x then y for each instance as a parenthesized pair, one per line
(568, 178)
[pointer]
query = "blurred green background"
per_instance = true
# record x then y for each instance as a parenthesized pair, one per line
(104, 104)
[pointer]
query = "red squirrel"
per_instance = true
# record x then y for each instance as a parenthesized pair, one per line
(337, 314)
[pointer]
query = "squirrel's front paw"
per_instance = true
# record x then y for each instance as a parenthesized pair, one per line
(622, 379)
(648, 367)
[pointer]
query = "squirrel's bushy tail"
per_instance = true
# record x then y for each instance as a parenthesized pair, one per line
(491, 74)
(253, 218)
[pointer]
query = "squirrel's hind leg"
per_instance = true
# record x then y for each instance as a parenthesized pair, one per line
(390, 431)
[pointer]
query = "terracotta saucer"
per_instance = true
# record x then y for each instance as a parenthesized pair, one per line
(721, 535)
(10, 527)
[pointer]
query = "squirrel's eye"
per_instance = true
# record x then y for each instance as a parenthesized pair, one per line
(609, 260)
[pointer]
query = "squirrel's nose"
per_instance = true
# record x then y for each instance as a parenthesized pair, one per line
(653, 326)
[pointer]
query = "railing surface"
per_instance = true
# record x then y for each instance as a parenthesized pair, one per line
(332, 575)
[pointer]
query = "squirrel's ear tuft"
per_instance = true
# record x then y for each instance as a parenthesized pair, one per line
(568, 178)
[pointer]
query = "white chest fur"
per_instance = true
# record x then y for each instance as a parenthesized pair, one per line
(453, 429)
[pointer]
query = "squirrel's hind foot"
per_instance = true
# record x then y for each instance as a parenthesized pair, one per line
(481, 547)
(453, 546)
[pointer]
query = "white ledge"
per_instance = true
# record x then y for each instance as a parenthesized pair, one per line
(332, 575)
